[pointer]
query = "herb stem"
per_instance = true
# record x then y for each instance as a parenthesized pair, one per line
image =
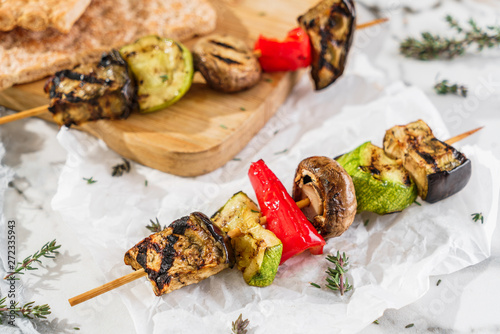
(49, 250)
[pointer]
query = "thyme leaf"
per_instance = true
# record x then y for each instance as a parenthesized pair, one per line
(444, 88)
(336, 279)
(155, 226)
(49, 250)
(90, 180)
(28, 310)
(239, 326)
(478, 216)
(433, 46)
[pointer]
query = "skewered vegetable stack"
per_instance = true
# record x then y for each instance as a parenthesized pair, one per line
(412, 159)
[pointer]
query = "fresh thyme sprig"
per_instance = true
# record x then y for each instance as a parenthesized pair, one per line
(336, 279)
(155, 226)
(478, 216)
(26, 311)
(119, 169)
(444, 88)
(436, 47)
(49, 250)
(239, 326)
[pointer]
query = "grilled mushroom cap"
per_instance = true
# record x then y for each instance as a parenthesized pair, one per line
(331, 192)
(226, 63)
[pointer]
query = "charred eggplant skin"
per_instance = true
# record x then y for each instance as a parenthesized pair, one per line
(186, 252)
(445, 183)
(438, 169)
(90, 92)
(330, 26)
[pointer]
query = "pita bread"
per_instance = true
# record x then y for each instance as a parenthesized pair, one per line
(30, 55)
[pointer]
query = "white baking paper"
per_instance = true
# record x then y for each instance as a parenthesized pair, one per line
(391, 258)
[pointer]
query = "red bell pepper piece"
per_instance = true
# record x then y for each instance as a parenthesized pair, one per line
(283, 216)
(288, 55)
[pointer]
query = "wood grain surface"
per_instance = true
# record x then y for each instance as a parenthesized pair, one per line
(205, 129)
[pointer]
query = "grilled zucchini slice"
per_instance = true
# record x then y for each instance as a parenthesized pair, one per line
(257, 250)
(382, 184)
(163, 69)
(438, 169)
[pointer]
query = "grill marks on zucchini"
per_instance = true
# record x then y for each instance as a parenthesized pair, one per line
(438, 169)
(330, 26)
(188, 251)
(257, 250)
(163, 69)
(382, 184)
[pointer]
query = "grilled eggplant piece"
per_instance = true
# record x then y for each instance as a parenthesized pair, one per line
(226, 63)
(257, 250)
(92, 91)
(331, 192)
(438, 169)
(188, 251)
(382, 184)
(330, 26)
(163, 70)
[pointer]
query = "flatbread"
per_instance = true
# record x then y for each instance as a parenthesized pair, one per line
(38, 15)
(30, 55)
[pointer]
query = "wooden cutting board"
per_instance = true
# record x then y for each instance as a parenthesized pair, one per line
(205, 129)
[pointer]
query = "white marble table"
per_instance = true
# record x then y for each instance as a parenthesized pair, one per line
(465, 301)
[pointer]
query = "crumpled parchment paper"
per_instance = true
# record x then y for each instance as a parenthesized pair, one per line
(391, 258)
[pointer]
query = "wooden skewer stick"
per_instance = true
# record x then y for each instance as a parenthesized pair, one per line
(140, 273)
(464, 135)
(24, 114)
(233, 233)
(371, 23)
(107, 287)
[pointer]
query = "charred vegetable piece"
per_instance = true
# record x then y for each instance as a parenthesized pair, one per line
(163, 70)
(382, 184)
(257, 250)
(89, 92)
(283, 216)
(331, 192)
(292, 53)
(438, 169)
(330, 26)
(226, 63)
(186, 252)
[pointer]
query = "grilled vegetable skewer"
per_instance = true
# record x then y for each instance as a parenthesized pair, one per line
(164, 78)
(422, 164)
(235, 232)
